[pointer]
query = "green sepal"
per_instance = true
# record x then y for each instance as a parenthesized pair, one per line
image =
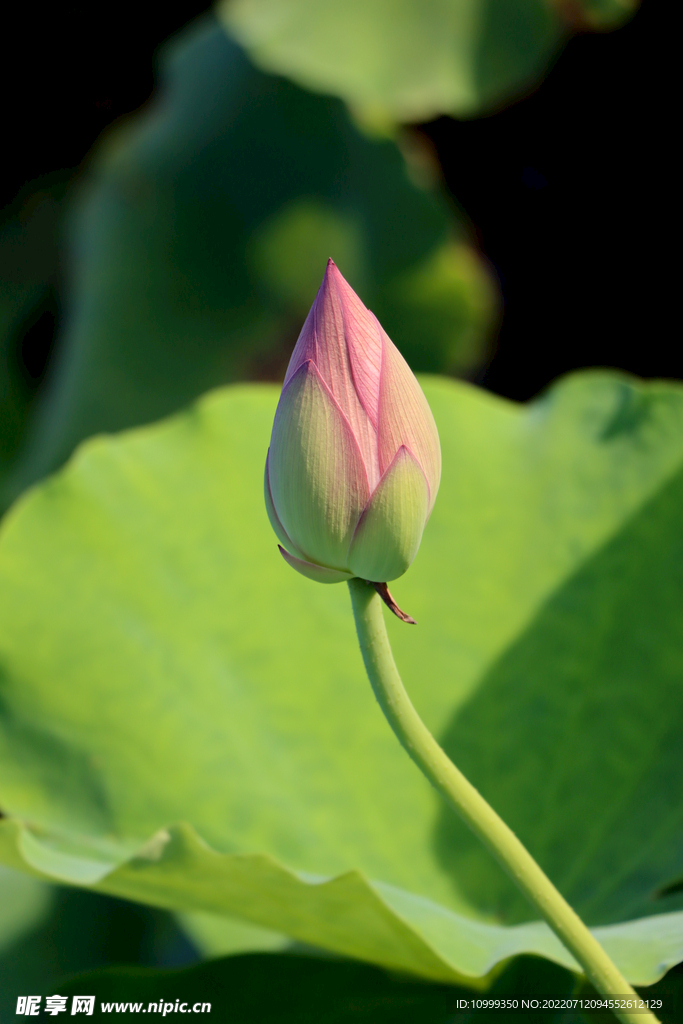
(315, 572)
(317, 477)
(278, 528)
(390, 530)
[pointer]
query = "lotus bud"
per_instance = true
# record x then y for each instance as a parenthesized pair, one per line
(354, 461)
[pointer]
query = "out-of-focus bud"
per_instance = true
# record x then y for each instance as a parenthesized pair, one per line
(354, 462)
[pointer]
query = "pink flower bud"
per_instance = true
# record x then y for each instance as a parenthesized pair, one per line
(354, 462)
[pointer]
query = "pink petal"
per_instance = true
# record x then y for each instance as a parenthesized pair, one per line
(342, 338)
(364, 342)
(406, 419)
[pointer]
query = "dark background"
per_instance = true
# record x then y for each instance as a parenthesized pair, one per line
(569, 189)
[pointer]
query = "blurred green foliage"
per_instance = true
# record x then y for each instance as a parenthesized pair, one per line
(294, 989)
(301, 990)
(24, 902)
(81, 931)
(198, 237)
(411, 60)
(29, 282)
(161, 663)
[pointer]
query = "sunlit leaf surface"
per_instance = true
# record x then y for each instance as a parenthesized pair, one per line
(160, 663)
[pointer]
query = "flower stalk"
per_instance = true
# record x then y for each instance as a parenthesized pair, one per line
(473, 809)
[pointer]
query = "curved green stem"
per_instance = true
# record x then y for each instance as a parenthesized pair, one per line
(471, 806)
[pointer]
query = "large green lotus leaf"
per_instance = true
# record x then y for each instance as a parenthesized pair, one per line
(347, 914)
(198, 239)
(161, 663)
(411, 60)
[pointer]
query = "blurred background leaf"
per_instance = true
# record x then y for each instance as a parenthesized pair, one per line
(80, 931)
(160, 663)
(398, 61)
(40, 415)
(29, 303)
(300, 990)
(198, 235)
(24, 903)
(597, 14)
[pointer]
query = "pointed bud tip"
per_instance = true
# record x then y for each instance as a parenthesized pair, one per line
(332, 271)
(331, 274)
(334, 279)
